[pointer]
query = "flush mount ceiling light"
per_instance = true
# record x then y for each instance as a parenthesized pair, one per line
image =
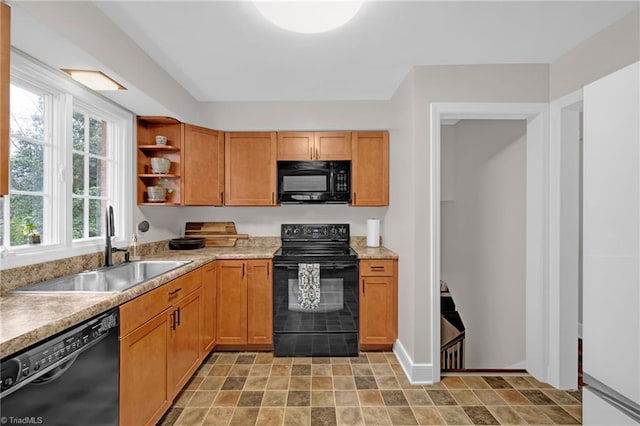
(308, 16)
(95, 80)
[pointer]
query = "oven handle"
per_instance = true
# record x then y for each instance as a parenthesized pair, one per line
(330, 265)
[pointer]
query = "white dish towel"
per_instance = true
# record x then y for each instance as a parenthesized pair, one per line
(309, 285)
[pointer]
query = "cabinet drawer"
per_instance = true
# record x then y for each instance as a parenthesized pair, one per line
(376, 267)
(141, 309)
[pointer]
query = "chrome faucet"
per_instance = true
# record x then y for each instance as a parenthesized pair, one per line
(110, 232)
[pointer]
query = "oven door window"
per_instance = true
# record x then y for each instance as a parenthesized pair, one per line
(338, 307)
(331, 296)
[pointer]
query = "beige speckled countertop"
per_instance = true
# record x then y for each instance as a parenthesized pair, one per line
(364, 252)
(28, 318)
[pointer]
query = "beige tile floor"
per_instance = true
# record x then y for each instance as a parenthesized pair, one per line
(258, 389)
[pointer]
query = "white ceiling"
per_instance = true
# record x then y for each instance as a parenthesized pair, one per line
(226, 51)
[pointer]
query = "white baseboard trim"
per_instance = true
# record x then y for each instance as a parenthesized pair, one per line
(522, 365)
(418, 374)
(580, 330)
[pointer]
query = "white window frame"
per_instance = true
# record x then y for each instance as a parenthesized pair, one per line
(65, 95)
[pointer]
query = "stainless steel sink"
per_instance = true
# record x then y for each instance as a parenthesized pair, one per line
(113, 279)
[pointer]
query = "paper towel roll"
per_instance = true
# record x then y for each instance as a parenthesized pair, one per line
(373, 233)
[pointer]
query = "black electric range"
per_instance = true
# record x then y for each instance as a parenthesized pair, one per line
(315, 261)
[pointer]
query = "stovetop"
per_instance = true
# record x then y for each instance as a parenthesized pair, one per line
(307, 242)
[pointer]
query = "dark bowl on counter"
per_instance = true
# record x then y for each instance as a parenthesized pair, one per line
(186, 243)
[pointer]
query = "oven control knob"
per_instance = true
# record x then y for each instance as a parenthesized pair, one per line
(296, 230)
(324, 231)
(288, 230)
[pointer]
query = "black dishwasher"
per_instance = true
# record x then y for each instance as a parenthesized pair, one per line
(70, 378)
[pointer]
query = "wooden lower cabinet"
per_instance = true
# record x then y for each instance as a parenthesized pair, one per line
(184, 342)
(259, 303)
(144, 395)
(244, 302)
(378, 303)
(232, 302)
(160, 348)
(209, 308)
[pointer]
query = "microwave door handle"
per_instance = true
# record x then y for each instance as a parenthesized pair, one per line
(331, 182)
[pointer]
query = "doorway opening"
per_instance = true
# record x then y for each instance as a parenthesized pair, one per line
(540, 350)
(482, 245)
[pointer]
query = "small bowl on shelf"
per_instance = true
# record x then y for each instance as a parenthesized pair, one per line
(161, 140)
(160, 165)
(156, 194)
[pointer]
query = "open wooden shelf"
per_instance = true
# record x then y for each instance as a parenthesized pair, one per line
(157, 175)
(158, 148)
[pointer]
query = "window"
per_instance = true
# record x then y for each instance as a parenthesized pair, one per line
(91, 163)
(28, 146)
(70, 157)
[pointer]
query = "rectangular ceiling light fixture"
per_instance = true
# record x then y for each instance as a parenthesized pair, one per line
(96, 80)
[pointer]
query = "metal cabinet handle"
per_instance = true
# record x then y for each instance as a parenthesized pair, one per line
(363, 288)
(273, 198)
(243, 270)
(310, 152)
(221, 197)
(173, 320)
(174, 292)
(377, 267)
(178, 316)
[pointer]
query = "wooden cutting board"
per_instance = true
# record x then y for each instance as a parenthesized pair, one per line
(215, 234)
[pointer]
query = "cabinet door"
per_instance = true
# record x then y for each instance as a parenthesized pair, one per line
(232, 302)
(184, 341)
(143, 373)
(203, 161)
(370, 168)
(209, 307)
(250, 169)
(332, 145)
(295, 146)
(5, 55)
(260, 302)
(376, 310)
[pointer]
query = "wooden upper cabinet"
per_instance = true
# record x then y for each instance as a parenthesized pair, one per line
(5, 55)
(250, 169)
(308, 146)
(147, 130)
(370, 168)
(333, 145)
(203, 160)
(295, 146)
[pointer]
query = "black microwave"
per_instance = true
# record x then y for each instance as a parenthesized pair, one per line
(314, 181)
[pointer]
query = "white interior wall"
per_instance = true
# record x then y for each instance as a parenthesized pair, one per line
(411, 212)
(607, 51)
(483, 238)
